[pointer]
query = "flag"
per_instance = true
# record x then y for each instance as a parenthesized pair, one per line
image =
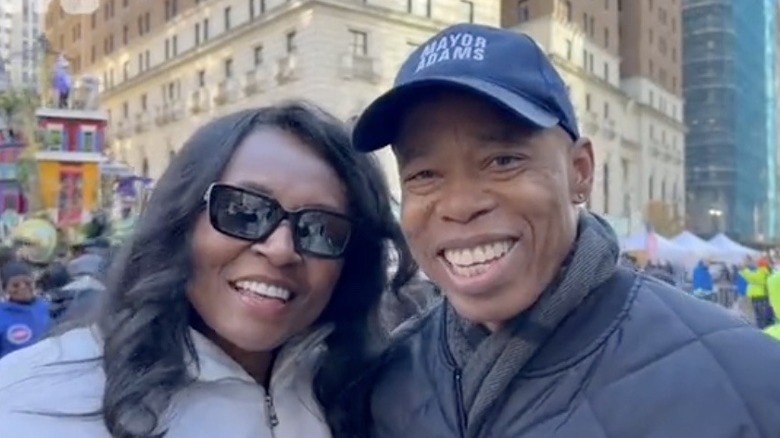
(651, 242)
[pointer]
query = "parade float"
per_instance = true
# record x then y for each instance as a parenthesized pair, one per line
(55, 168)
(70, 145)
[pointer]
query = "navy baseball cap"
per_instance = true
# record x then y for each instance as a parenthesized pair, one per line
(504, 67)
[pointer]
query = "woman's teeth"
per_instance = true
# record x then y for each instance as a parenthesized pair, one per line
(469, 262)
(264, 290)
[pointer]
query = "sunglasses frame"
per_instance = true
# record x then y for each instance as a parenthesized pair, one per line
(293, 217)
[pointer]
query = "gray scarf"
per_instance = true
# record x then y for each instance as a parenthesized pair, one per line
(489, 362)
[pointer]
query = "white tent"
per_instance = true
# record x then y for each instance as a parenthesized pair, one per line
(697, 246)
(666, 250)
(732, 251)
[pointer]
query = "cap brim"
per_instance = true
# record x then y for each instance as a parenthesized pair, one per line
(378, 126)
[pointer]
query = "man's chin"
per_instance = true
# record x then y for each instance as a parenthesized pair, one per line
(493, 311)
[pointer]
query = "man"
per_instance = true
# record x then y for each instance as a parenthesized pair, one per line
(541, 333)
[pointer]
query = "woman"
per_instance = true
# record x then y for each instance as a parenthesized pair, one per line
(258, 264)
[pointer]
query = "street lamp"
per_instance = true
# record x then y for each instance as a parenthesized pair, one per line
(716, 214)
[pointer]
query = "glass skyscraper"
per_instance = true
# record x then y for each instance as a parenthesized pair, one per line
(729, 77)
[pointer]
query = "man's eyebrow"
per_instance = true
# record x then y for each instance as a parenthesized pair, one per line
(409, 153)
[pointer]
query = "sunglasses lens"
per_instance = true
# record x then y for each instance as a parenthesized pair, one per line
(322, 233)
(242, 214)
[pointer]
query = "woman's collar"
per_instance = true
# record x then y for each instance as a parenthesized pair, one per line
(302, 351)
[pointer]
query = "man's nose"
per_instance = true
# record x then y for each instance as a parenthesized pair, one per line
(463, 200)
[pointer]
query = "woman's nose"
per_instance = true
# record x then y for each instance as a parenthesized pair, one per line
(279, 247)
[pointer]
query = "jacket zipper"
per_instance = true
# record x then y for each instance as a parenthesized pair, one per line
(459, 405)
(270, 414)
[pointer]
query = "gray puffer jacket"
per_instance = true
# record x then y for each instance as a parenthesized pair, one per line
(637, 359)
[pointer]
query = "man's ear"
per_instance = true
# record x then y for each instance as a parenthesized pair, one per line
(583, 165)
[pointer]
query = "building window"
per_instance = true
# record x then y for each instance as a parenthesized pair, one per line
(569, 49)
(88, 141)
(205, 29)
(144, 102)
(197, 34)
(175, 45)
(358, 45)
(167, 49)
(606, 110)
(290, 44)
(228, 11)
(523, 14)
(606, 71)
(567, 11)
(419, 7)
(468, 10)
(126, 70)
(605, 186)
(201, 78)
(252, 10)
(171, 9)
(606, 37)
(55, 139)
(587, 102)
(228, 68)
(258, 55)
(125, 35)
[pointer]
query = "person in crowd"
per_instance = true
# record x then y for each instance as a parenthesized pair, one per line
(659, 272)
(757, 292)
(740, 284)
(541, 333)
(80, 297)
(773, 297)
(702, 280)
(24, 318)
(226, 325)
(51, 282)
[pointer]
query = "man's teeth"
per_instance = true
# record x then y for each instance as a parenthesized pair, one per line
(264, 290)
(473, 261)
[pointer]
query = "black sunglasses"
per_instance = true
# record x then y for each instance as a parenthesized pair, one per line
(247, 215)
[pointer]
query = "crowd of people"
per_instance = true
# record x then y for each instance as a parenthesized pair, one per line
(36, 297)
(752, 289)
(250, 300)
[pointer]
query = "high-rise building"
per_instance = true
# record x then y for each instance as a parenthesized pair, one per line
(168, 66)
(631, 109)
(651, 75)
(730, 73)
(21, 25)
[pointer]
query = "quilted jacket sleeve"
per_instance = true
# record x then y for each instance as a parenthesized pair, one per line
(751, 360)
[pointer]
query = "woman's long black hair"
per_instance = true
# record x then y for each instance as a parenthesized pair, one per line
(145, 321)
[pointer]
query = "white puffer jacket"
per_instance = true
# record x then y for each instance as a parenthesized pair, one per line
(40, 383)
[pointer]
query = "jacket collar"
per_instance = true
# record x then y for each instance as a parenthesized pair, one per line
(301, 353)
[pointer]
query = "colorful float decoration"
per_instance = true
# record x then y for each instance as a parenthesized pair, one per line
(38, 239)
